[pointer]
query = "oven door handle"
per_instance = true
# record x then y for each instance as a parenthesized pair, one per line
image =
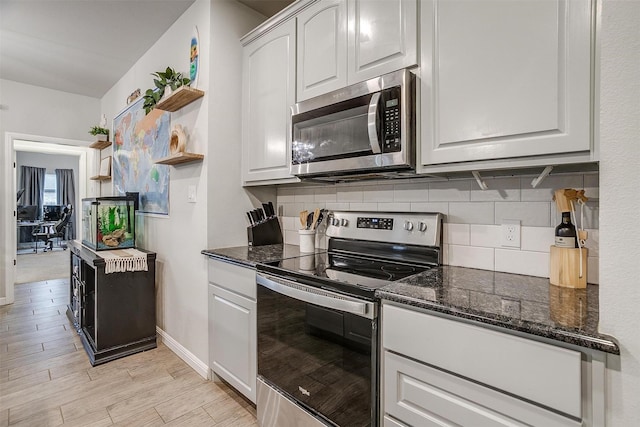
(317, 296)
(372, 123)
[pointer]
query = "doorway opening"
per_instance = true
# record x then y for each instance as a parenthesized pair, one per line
(44, 146)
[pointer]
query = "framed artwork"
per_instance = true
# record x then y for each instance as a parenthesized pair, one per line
(138, 140)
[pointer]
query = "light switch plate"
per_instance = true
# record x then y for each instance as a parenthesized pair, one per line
(191, 194)
(510, 233)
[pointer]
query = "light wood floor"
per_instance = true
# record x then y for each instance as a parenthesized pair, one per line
(46, 378)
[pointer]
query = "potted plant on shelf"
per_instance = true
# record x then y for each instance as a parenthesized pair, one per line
(101, 134)
(166, 82)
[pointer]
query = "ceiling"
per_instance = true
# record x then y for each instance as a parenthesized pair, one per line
(85, 47)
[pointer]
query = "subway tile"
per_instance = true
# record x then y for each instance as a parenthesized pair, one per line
(441, 207)
(592, 186)
(445, 255)
(537, 239)
(378, 193)
(450, 191)
(337, 206)
(349, 194)
(591, 215)
(499, 189)
(372, 206)
(286, 195)
(292, 209)
(471, 213)
(593, 270)
(533, 214)
(522, 262)
(456, 234)
(304, 195)
(411, 192)
(325, 194)
(472, 257)
(394, 207)
(544, 191)
(291, 237)
(593, 242)
(290, 222)
(487, 236)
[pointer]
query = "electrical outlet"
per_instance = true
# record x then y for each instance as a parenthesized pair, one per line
(510, 236)
(191, 193)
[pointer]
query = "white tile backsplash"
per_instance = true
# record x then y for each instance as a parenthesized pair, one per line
(522, 262)
(534, 214)
(473, 217)
(487, 236)
(456, 234)
(470, 256)
(471, 212)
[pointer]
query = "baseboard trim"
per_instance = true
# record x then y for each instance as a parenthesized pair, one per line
(189, 358)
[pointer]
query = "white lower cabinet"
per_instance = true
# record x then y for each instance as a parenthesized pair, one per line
(442, 372)
(232, 326)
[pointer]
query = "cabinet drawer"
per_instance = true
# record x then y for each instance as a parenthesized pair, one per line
(241, 280)
(542, 373)
(420, 395)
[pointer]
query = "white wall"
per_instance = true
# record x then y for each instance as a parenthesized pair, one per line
(620, 205)
(212, 124)
(32, 110)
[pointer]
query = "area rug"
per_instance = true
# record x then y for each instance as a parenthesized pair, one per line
(43, 266)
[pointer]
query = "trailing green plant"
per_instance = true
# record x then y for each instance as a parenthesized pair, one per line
(97, 130)
(168, 77)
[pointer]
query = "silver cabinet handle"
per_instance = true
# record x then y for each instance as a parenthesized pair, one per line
(372, 123)
(317, 296)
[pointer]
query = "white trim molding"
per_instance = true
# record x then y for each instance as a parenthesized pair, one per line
(189, 358)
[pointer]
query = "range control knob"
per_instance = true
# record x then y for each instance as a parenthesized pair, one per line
(344, 222)
(335, 222)
(408, 225)
(422, 226)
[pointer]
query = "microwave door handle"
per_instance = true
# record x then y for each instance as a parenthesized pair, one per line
(372, 123)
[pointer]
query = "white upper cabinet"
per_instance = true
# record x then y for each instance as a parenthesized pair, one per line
(504, 79)
(322, 48)
(383, 37)
(341, 42)
(268, 92)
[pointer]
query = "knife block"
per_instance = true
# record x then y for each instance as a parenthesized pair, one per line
(267, 232)
(564, 267)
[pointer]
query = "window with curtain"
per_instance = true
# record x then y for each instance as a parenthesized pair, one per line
(50, 190)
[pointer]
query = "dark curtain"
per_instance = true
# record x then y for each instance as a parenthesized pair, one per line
(67, 196)
(33, 183)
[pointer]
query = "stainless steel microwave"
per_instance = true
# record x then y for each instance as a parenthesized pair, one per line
(364, 129)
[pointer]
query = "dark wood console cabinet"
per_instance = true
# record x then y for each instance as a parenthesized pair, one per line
(114, 314)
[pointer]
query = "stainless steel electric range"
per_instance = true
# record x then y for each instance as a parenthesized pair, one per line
(318, 318)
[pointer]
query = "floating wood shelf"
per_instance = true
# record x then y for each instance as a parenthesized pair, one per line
(99, 145)
(176, 159)
(100, 178)
(182, 96)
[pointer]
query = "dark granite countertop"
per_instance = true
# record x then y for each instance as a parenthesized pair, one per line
(252, 255)
(522, 303)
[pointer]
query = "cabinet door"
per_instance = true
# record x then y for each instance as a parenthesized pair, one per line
(504, 79)
(268, 92)
(383, 37)
(232, 339)
(322, 48)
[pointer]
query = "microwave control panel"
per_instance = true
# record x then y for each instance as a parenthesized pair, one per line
(391, 119)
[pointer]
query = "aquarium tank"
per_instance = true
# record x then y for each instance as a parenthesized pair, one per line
(109, 223)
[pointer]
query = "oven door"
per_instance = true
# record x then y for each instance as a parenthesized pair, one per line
(319, 349)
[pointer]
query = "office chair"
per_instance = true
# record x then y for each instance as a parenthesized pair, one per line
(50, 232)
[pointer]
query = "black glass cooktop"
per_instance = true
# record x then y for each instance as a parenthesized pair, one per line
(350, 274)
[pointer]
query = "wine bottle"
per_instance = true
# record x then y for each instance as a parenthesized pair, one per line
(566, 232)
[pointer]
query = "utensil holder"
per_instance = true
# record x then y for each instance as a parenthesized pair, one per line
(564, 267)
(267, 232)
(307, 240)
